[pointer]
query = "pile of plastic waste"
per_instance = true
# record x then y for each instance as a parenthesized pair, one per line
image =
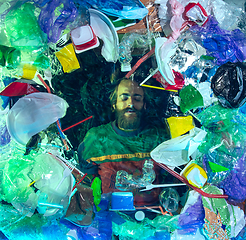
(198, 50)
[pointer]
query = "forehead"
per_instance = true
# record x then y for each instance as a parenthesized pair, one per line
(129, 87)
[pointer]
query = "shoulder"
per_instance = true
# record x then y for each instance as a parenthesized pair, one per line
(156, 129)
(102, 129)
(99, 128)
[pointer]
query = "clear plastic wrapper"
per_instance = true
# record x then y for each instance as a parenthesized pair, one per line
(226, 14)
(169, 199)
(125, 181)
(188, 51)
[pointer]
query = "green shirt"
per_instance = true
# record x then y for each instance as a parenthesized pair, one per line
(112, 149)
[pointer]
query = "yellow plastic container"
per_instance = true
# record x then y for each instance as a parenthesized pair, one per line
(195, 175)
(68, 59)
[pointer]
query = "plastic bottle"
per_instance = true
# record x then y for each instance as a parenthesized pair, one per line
(126, 181)
(169, 199)
(126, 45)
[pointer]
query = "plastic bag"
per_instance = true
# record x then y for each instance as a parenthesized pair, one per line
(228, 84)
(222, 44)
(127, 9)
(22, 28)
(192, 215)
(225, 128)
(234, 184)
(54, 182)
(55, 16)
(34, 113)
(176, 152)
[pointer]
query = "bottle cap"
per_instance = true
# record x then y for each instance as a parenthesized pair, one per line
(139, 215)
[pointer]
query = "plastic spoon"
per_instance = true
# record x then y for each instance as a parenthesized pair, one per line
(151, 186)
(66, 173)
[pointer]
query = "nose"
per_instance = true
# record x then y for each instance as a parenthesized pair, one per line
(130, 102)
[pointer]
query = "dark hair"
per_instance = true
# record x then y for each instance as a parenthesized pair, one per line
(114, 91)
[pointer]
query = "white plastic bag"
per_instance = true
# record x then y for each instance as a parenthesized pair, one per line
(176, 152)
(34, 113)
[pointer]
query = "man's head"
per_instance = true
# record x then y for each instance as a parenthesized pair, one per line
(128, 102)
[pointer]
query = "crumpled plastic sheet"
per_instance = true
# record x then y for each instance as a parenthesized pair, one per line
(234, 184)
(222, 44)
(192, 218)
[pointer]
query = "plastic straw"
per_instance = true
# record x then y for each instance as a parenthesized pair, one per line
(149, 86)
(139, 62)
(182, 179)
(147, 78)
(77, 124)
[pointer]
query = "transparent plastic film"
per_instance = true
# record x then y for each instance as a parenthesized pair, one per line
(125, 181)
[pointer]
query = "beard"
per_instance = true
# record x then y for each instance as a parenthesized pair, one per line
(129, 122)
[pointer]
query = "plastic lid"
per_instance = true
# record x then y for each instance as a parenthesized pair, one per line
(139, 215)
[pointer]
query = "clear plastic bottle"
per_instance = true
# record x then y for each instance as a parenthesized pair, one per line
(126, 181)
(128, 42)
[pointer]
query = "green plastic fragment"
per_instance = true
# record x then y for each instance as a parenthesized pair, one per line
(217, 168)
(190, 98)
(96, 186)
(206, 57)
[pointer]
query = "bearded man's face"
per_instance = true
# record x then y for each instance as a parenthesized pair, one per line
(129, 105)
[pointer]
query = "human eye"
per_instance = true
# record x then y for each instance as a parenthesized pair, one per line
(124, 97)
(138, 98)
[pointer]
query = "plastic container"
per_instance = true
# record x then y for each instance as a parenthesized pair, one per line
(122, 201)
(84, 38)
(126, 181)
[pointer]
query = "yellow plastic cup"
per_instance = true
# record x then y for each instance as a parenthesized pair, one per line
(29, 71)
(68, 59)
